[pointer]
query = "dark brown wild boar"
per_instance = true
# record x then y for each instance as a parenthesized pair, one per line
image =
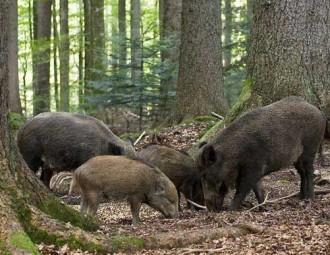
(180, 168)
(117, 177)
(59, 141)
(262, 141)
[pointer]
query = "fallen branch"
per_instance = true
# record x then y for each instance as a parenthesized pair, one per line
(197, 205)
(217, 116)
(266, 201)
(139, 138)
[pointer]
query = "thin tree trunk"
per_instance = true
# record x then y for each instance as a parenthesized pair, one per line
(42, 87)
(170, 32)
(64, 56)
(122, 51)
(95, 56)
(14, 98)
(290, 52)
(227, 33)
(200, 84)
(136, 61)
(55, 47)
(114, 34)
(81, 56)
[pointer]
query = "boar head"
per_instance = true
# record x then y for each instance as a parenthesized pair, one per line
(216, 177)
(164, 197)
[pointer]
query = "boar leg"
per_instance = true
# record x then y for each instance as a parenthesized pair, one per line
(135, 204)
(246, 181)
(46, 175)
(92, 199)
(305, 169)
(83, 205)
(259, 192)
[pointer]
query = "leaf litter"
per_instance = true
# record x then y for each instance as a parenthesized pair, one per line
(291, 226)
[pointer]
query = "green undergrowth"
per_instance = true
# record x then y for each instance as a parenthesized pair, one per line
(3, 248)
(126, 243)
(64, 213)
(22, 241)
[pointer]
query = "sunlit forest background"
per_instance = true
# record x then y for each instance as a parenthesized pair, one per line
(117, 58)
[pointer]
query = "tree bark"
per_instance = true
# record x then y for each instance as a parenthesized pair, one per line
(200, 83)
(122, 33)
(81, 56)
(136, 61)
(170, 32)
(95, 56)
(64, 56)
(41, 100)
(55, 47)
(227, 33)
(289, 53)
(14, 98)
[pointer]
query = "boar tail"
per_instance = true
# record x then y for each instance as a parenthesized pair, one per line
(74, 187)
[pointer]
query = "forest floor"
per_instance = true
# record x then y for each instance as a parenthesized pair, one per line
(290, 226)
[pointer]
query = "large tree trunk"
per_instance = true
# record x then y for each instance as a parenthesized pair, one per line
(14, 99)
(289, 53)
(200, 84)
(41, 100)
(64, 56)
(122, 51)
(170, 32)
(95, 55)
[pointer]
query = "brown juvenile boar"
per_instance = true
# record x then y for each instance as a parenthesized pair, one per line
(180, 168)
(262, 141)
(117, 177)
(60, 141)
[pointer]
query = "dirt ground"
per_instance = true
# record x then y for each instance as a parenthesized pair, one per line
(290, 226)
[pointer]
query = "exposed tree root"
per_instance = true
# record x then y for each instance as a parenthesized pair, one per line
(184, 238)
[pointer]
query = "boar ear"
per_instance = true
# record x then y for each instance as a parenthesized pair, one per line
(202, 144)
(160, 187)
(114, 149)
(208, 156)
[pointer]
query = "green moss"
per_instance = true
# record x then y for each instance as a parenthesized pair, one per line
(37, 235)
(16, 120)
(126, 243)
(242, 102)
(3, 248)
(21, 241)
(202, 118)
(64, 213)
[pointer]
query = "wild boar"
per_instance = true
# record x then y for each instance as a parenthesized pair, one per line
(179, 167)
(262, 141)
(59, 141)
(118, 177)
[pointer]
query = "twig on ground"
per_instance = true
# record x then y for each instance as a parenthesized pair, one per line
(139, 138)
(217, 116)
(266, 201)
(197, 205)
(212, 251)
